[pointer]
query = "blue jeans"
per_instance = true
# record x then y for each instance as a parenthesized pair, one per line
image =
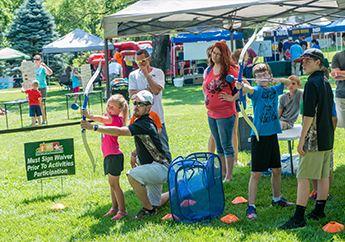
(163, 137)
(221, 130)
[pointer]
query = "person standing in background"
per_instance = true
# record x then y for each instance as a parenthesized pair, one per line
(42, 70)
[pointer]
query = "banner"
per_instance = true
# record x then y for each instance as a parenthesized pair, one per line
(49, 158)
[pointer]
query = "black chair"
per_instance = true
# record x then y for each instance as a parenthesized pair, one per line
(65, 79)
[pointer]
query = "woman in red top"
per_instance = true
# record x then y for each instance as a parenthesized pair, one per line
(220, 104)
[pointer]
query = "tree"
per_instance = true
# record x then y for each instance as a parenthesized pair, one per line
(32, 28)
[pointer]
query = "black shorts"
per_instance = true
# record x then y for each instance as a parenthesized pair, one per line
(35, 110)
(113, 164)
(265, 153)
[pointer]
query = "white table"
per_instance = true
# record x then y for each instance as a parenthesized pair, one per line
(290, 135)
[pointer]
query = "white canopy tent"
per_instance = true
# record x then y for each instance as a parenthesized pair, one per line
(77, 40)
(157, 17)
(154, 17)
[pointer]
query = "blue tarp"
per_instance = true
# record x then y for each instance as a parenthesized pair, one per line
(206, 36)
(286, 31)
(336, 26)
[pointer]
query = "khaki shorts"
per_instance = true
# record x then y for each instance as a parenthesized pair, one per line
(331, 162)
(285, 125)
(340, 107)
(314, 165)
(152, 176)
(43, 92)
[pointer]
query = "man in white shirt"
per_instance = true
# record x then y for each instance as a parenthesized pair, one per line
(115, 70)
(151, 79)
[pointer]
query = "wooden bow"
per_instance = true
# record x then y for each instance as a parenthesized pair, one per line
(240, 73)
(83, 131)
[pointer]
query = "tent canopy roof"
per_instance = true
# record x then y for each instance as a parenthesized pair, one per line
(77, 40)
(11, 54)
(216, 34)
(336, 26)
(156, 17)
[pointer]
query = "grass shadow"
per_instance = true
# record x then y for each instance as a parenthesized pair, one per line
(44, 198)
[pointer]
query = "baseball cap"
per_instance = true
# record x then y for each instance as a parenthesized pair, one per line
(144, 96)
(290, 38)
(312, 53)
(297, 41)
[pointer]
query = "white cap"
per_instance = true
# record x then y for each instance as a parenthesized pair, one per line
(290, 38)
(297, 41)
(144, 96)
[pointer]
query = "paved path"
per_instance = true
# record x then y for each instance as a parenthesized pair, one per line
(18, 90)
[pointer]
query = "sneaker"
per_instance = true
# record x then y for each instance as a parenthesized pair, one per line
(312, 215)
(251, 213)
(43, 123)
(144, 212)
(120, 215)
(293, 224)
(282, 202)
(111, 211)
(313, 195)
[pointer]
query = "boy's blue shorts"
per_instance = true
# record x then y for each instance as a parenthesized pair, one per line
(35, 110)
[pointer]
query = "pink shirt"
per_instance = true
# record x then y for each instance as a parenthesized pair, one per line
(110, 145)
(213, 86)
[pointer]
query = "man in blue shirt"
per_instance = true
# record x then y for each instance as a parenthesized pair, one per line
(287, 45)
(295, 51)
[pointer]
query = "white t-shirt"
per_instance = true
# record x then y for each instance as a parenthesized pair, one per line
(115, 68)
(137, 81)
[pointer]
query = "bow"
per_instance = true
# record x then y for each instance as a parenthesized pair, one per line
(83, 131)
(240, 73)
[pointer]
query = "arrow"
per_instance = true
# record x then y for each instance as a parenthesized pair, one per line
(231, 78)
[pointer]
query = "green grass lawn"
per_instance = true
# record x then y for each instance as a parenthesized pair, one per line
(26, 215)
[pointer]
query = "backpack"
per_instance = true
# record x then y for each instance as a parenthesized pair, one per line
(196, 188)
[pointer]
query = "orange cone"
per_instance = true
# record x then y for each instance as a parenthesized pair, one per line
(239, 200)
(58, 206)
(167, 217)
(229, 219)
(333, 227)
(187, 202)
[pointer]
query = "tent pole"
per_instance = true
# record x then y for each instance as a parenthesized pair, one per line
(275, 48)
(173, 61)
(106, 67)
(48, 65)
(232, 41)
(336, 42)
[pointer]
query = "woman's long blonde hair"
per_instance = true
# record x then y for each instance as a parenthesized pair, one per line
(122, 102)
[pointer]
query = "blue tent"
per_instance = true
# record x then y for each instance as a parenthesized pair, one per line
(336, 26)
(286, 31)
(206, 36)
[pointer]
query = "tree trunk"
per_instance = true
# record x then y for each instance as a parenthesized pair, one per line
(159, 54)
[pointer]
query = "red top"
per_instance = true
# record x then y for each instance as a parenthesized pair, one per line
(213, 87)
(34, 96)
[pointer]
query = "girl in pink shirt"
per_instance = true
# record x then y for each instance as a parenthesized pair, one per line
(116, 115)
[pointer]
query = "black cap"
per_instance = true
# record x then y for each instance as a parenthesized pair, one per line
(312, 53)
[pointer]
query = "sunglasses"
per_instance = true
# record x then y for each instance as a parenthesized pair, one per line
(141, 61)
(140, 104)
(37, 59)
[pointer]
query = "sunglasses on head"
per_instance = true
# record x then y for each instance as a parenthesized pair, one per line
(140, 104)
(141, 61)
(36, 59)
